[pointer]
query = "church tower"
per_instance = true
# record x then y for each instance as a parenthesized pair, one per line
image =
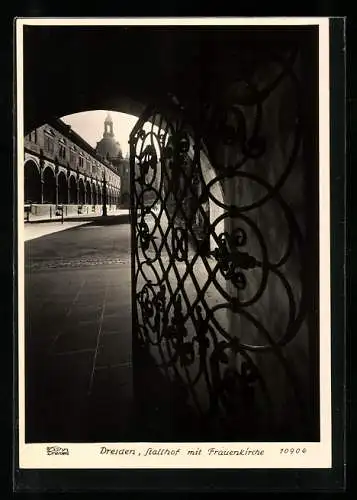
(109, 148)
(108, 126)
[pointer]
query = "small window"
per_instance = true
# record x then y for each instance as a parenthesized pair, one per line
(33, 136)
(49, 144)
(73, 156)
(62, 151)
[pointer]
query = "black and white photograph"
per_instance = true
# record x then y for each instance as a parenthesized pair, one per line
(169, 189)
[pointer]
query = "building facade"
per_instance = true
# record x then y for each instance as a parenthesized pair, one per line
(124, 172)
(108, 148)
(62, 169)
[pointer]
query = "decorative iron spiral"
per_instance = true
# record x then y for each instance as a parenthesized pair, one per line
(193, 307)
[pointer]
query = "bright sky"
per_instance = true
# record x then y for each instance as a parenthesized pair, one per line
(90, 126)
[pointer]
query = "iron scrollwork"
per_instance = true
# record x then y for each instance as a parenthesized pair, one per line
(230, 260)
(192, 318)
(148, 162)
(152, 306)
(176, 334)
(179, 244)
(235, 385)
(144, 234)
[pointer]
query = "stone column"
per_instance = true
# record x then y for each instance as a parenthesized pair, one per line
(41, 174)
(42, 185)
(56, 179)
(56, 189)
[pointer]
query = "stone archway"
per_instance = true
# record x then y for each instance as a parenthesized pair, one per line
(73, 191)
(32, 181)
(62, 187)
(88, 193)
(49, 186)
(99, 194)
(81, 192)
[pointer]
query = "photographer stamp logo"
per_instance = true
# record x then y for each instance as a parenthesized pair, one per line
(57, 450)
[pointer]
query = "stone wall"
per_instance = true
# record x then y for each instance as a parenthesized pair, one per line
(90, 166)
(262, 160)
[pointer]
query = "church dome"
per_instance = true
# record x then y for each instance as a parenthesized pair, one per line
(108, 147)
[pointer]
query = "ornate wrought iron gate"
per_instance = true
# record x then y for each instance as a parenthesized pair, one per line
(219, 294)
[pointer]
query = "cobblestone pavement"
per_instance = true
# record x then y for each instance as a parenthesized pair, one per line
(78, 262)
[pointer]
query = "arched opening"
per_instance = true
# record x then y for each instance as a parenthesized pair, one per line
(270, 303)
(77, 194)
(81, 192)
(62, 188)
(94, 195)
(88, 193)
(72, 191)
(49, 186)
(125, 200)
(32, 181)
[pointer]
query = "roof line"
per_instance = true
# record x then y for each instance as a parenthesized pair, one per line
(68, 132)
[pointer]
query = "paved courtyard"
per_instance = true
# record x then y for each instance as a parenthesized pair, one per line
(32, 231)
(79, 370)
(78, 335)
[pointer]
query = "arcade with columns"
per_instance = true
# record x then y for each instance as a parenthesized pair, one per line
(62, 170)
